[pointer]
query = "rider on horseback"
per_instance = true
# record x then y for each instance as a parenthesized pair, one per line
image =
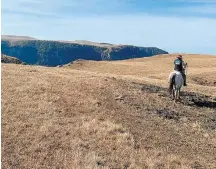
(180, 66)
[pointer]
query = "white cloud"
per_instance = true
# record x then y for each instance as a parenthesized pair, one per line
(204, 9)
(57, 8)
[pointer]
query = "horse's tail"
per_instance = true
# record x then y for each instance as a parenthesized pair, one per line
(173, 81)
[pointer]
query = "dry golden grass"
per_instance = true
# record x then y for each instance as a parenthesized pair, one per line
(155, 70)
(107, 115)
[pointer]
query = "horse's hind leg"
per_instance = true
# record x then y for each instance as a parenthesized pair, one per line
(175, 94)
(178, 94)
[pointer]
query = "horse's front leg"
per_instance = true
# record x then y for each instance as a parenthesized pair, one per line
(176, 94)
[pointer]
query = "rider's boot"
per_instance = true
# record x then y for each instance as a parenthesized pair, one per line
(184, 77)
(185, 84)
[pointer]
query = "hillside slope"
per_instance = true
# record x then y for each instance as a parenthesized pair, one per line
(107, 115)
(155, 70)
(53, 53)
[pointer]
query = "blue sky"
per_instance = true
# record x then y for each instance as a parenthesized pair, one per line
(186, 26)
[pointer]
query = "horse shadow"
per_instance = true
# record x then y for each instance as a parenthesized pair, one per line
(200, 100)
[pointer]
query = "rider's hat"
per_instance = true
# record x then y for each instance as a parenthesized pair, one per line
(179, 56)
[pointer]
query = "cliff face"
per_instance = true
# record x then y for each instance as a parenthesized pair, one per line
(53, 53)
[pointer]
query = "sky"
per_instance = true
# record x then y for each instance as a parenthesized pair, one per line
(185, 26)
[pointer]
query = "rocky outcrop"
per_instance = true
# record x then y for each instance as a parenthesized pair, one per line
(9, 59)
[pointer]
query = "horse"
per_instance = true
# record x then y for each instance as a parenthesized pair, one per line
(177, 81)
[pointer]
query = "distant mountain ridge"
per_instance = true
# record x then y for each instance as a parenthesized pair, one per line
(14, 38)
(53, 53)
